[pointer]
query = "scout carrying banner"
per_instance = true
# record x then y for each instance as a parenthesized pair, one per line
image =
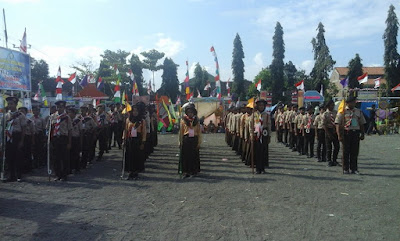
(15, 71)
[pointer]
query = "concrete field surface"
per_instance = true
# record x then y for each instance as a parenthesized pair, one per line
(297, 199)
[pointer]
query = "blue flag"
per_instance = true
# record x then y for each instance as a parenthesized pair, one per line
(345, 82)
(84, 81)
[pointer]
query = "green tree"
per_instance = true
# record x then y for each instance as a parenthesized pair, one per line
(323, 60)
(151, 59)
(170, 82)
(355, 70)
(39, 72)
(391, 56)
(107, 72)
(290, 73)
(137, 68)
(277, 65)
(198, 80)
(238, 67)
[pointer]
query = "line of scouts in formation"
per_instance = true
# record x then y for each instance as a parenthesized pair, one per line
(72, 138)
(248, 133)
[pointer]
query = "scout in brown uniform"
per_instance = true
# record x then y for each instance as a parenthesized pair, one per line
(189, 138)
(88, 129)
(61, 126)
(102, 127)
(261, 136)
(247, 135)
(309, 132)
(292, 129)
(15, 135)
(331, 138)
(119, 127)
(134, 138)
(38, 146)
(320, 134)
(280, 123)
(286, 137)
(112, 124)
(300, 131)
(92, 151)
(28, 142)
(350, 130)
(76, 139)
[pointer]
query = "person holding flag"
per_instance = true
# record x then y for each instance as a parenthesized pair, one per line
(350, 130)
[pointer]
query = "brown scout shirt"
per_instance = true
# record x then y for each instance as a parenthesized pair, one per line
(350, 119)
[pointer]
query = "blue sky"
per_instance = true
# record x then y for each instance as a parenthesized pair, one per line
(64, 32)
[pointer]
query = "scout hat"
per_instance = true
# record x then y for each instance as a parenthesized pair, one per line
(351, 99)
(12, 98)
(61, 103)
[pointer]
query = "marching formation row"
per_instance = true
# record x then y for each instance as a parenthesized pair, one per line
(248, 132)
(70, 139)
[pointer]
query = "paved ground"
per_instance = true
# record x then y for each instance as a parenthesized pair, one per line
(298, 199)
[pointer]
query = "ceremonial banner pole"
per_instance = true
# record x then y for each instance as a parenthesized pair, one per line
(4, 139)
(48, 148)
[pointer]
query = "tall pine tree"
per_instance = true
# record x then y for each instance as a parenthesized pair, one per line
(277, 65)
(391, 56)
(238, 67)
(355, 70)
(170, 82)
(323, 60)
(137, 68)
(290, 72)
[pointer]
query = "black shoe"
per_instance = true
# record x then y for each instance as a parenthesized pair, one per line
(355, 172)
(106, 151)
(258, 172)
(330, 164)
(346, 172)
(335, 163)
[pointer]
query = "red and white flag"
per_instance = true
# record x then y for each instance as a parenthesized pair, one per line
(397, 87)
(258, 85)
(377, 82)
(72, 78)
(363, 78)
(149, 88)
(228, 88)
(24, 46)
(59, 75)
(300, 85)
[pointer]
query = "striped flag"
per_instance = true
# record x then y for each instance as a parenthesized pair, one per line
(60, 83)
(258, 85)
(24, 46)
(100, 83)
(217, 77)
(72, 78)
(300, 85)
(187, 88)
(363, 78)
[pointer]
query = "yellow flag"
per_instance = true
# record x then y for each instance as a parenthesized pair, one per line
(342, 106)
(250, 103)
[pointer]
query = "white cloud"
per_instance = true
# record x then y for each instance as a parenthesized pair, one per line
(307, 65)
(169, 46)
(65, 57)
(259, 59)
(343, 19)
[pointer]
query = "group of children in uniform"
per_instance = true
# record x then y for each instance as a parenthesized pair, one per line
(72, 137)
(297, 128)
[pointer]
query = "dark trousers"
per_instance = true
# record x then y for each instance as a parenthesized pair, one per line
(118, 129)
(102, 137)
(75, 153)
(293, 142)
(321, 147)
(351, 147)
(39, 150)
(60, 156)
(309, 142)
(14, 157)
(86, 149)
(300, 142)
(27, 152)
(332, 145)
(261, 158)
(280, 133)
(285, 136)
